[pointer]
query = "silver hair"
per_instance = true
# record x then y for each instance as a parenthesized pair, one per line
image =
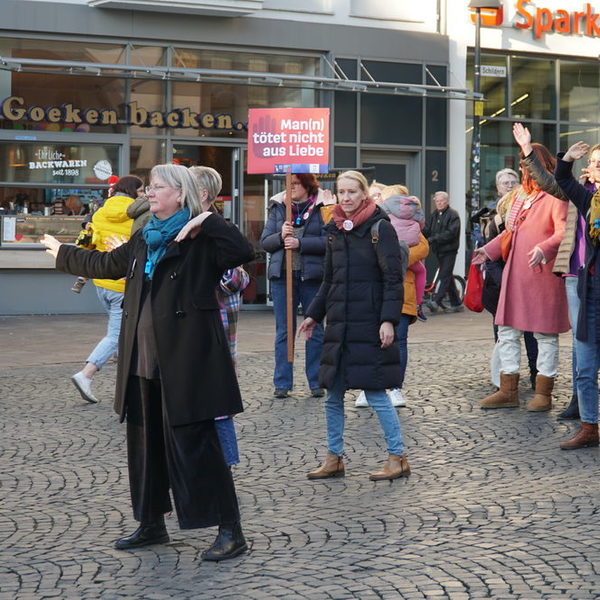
(179, 177)
(441, 193)
(208, 179)
(502, 172)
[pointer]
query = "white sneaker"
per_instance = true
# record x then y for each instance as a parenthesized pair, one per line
(396, 397)
(361, 401)
(84, 387)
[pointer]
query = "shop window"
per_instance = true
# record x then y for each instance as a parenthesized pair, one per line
(102, 97)
(579, 83)
(345, 158)
(393, 72)
(533, 88)
(148, 56)
(493, 85)
(390, 119)
(436, 109)
(149, 96)
(63, 50)
(349, 67)
(569, 134)
(345, 116)
(144, 154)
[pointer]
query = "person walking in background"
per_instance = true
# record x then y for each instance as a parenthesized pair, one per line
(109, 220)
(306, 238)
(407, 219)
(442, 231)
(532, 298)
(175, 370)
(361, 296)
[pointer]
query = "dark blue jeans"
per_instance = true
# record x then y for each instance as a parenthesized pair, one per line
(304, 292)
(402, 341)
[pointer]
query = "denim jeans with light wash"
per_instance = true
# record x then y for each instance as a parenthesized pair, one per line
(588, 363)
(573, 303)
(303, 293)
(228, 440)
(379, 402)
(402, 341)
(108, 345)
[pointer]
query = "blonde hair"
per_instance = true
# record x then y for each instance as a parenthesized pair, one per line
(180, 178)
(394, 190)
(208, 179)
(356, 176)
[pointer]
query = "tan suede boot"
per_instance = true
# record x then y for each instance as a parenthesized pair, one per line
(586, 437)
(508, 394)
(543, 394)
(332, 466)
(395, 466)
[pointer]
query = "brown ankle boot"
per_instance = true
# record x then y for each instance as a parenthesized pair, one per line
(586, 437)
(543, 394)
(508, 394)
(395, 466)
(332, 466)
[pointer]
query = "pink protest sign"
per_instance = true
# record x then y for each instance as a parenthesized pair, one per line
(288, 140)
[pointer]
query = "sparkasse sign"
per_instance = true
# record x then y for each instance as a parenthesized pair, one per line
(543, 20)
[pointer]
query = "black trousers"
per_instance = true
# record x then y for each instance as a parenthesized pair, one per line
(446, 264)
(186, 459)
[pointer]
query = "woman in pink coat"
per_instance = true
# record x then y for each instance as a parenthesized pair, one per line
(532, 298)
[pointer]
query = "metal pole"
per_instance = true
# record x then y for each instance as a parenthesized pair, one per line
(477, 113)
(288, 273)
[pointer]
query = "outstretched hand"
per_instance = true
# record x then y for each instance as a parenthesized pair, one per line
(112, 242)
(51, 243)
(522, 136)
(576, 151)
(479, 256)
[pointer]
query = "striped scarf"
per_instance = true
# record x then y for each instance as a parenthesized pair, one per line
(520, 195)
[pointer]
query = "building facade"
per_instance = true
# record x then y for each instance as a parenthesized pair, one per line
(100, 87)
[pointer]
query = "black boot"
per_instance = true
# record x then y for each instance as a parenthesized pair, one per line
(229, 543)
(572, 410)
(146, 534)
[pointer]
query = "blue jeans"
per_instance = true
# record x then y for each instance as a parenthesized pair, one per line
(379, 402)
(588, 363)
(228, 440)
(402, 341)
(573, 303)
(109, 344)
(303, 293)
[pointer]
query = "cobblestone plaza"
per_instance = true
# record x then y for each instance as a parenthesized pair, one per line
(492, 509)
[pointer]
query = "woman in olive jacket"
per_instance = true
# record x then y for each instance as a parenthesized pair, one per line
(175, 372)
(361, 295)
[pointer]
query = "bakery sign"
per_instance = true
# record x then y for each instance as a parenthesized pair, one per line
(15, 109)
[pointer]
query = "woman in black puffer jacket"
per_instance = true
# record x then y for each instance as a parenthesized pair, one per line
(361, 295)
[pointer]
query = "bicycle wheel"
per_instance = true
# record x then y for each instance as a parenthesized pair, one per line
(460, 285)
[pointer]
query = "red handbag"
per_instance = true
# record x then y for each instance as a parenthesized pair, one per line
(474, 292)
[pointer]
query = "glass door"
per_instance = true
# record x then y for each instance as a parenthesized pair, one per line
(241, 201)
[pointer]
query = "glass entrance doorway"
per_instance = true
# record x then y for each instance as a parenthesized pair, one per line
(241, 201)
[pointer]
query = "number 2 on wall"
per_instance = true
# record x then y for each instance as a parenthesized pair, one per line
(435, 176)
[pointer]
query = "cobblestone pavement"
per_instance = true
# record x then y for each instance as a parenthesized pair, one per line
(492, 509)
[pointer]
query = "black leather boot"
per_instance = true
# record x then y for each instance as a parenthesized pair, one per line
(229, 543)
(146, 534)
(572, 410)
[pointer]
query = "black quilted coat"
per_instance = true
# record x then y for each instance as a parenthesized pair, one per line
(362, 288)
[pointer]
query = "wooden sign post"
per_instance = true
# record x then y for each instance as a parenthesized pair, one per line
(289, 284)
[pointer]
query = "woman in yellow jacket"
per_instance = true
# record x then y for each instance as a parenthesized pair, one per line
(111, 219)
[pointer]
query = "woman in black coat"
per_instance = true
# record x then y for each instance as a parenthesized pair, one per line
(175, 373)
(361, 296)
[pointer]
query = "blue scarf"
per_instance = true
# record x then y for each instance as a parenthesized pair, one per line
(158, 233)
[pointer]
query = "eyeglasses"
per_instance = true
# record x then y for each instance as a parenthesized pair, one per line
(155, 188)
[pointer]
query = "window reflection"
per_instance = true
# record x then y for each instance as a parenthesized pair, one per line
(529, 74)
(579, 83)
